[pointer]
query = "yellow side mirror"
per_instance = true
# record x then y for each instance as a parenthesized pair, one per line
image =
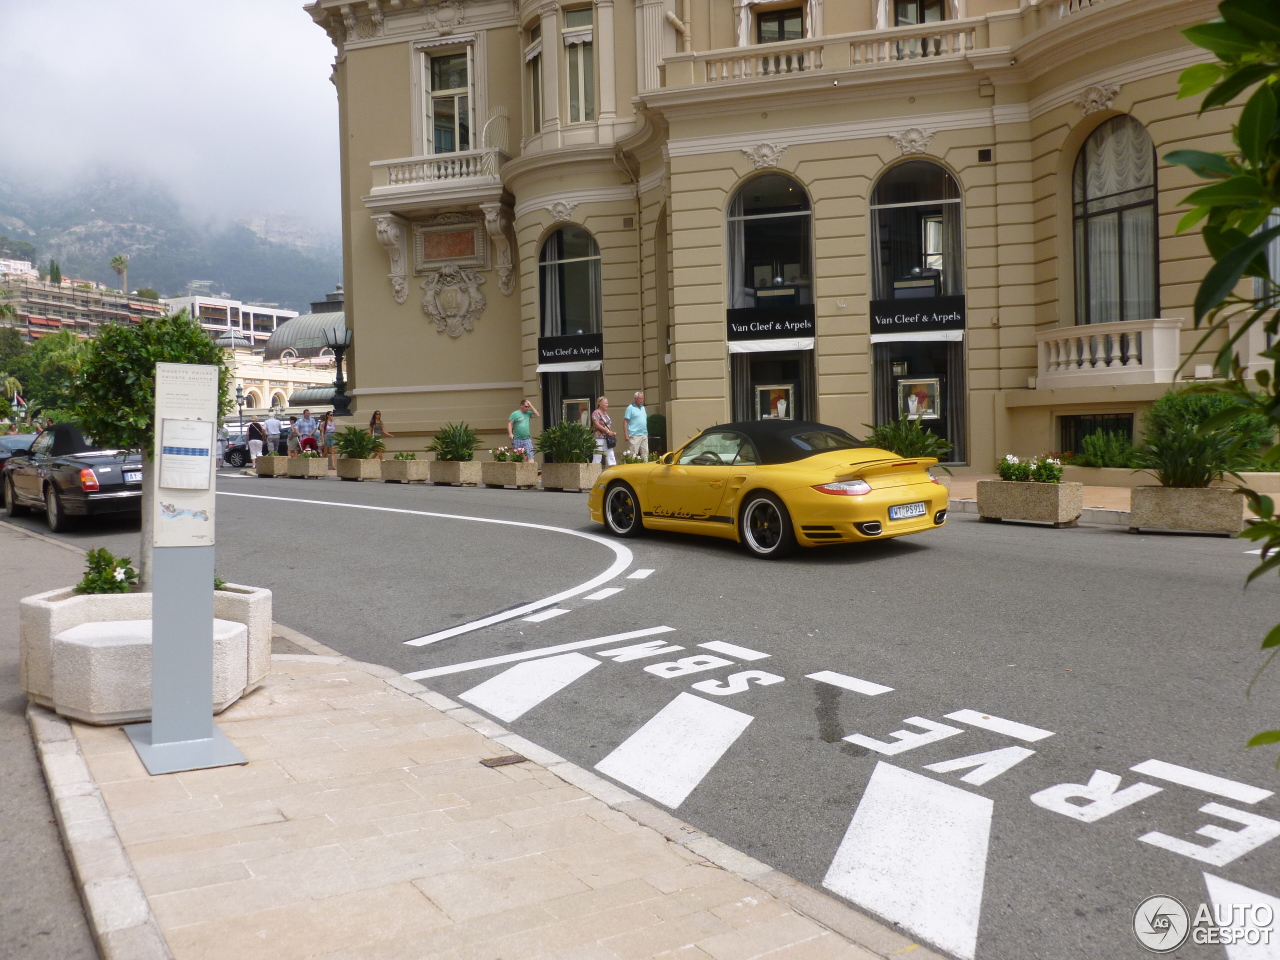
(668, 458)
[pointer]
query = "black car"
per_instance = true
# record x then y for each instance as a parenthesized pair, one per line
(69, 476)
(10, 442)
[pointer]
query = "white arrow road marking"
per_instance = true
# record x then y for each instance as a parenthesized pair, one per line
(533, 654)
(733, 650)
(1010, 728)
(622, 560)
(517, 690)
(850, 683)
(545, 615)
(916, 854)
(668, 757)
(1231, 789)
(1223, 893)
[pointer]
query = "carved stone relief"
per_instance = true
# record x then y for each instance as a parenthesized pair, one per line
(450, 238)
(497, 221)
(913, 140)
(446, 16)
(765, 154)
(451, 297)
(1097, 97)
(562, 210)
(393, 236)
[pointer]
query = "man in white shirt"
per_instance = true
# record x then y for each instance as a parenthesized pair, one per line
(272, 426)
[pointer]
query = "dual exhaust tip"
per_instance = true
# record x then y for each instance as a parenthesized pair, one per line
(873, 528)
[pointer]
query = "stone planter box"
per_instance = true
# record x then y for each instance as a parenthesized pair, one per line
(359, 469)
(1195, 509)
(89, 657)
(308, 467)
(455, 472)
(406, 471)
(271, 466)
(509, 474)
(1059, 504)
(570, 476)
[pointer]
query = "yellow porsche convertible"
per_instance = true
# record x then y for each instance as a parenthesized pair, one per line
(773, 485)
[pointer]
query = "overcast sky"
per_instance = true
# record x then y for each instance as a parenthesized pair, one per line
(228, 102)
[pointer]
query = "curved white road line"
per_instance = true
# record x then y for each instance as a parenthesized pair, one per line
(622, 560)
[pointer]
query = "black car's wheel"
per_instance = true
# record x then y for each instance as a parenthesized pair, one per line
(764, 525)
(238, 458)
(54, 514)
(622, 511)
(11, 505)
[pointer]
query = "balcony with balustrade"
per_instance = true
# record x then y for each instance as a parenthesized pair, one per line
(1108, 354)
(411, 185)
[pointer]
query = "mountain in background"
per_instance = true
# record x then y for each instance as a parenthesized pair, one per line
(267, 259)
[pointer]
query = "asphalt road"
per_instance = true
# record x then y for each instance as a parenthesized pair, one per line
(1047, 658)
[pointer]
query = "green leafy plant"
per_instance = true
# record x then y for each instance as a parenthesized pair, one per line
(652, 458)
(219, 583)
(356, 443)
(566, 442)
(106, 573)
(1106, 448)
(509, 455)
(309, 455)
(657, 425)
(1233, 211)
(1031, 470)
(405, 455)
(1188, 444)
(457, 441)
(907, 437)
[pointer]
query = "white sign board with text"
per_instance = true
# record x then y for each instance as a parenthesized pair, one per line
(185, 454)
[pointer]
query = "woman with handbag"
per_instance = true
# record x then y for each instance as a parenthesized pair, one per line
(606, 439)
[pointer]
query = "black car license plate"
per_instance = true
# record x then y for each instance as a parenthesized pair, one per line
(133, 476)
(905, 511)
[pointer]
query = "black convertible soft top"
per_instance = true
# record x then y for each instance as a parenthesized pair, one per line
(786, 441)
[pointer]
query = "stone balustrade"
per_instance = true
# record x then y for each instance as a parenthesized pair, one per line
(1108, 354)
(762, 60)
(413, 171)
(948, 38)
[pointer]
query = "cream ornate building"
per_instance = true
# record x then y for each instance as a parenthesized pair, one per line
(835, 209)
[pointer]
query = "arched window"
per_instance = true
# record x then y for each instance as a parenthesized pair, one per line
(770, 258)
(252, 400)
(1113, 197)
(288, 354)
(569, 268)
(279, 401)
(916, 216)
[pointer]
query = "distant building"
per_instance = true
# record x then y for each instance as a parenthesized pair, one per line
(300, 343)
(18, 268)
(42, 307)
(255, 322)
(271, 384)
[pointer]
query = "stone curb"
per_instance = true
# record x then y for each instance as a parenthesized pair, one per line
(115, 906)
(870, 935)
(1099, 515)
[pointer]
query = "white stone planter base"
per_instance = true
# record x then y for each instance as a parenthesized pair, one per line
(1058, 504)
(271, 466)
(570, 476)
(1217, 510)
(406, 471)
(305, 467)
(370, 469)
(509, 473)
(455, 472)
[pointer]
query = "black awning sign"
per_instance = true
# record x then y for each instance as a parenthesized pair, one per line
(771, 323)
(923, 315)
(575, 349)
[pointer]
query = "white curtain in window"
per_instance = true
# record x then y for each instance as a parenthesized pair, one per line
(1138, 263)
(1118, 158)
(1104, 268)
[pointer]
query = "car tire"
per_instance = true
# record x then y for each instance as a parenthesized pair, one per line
(237, 458)
(12, 507)
(621, 510)
(764, 527)
(54, 514)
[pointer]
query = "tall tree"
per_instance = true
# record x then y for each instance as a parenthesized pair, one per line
(55, 272)
(1240, 210)
(120, 264)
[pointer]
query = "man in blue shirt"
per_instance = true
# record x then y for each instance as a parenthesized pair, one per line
(306, 427)
(636, 427)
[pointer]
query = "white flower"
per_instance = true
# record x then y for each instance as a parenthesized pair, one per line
(1010, 458)
(120, 574)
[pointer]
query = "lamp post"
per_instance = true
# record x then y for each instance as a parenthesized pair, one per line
(240, 404)
(339, 340)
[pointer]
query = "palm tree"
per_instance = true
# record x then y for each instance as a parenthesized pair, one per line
(120, 264)
(9, 386)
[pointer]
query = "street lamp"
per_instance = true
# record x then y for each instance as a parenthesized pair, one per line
(240, 404)
(339, 340)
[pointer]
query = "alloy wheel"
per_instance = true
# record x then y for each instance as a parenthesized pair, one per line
(622, 512)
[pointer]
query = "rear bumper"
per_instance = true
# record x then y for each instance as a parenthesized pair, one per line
(97, 504)
(821, 518)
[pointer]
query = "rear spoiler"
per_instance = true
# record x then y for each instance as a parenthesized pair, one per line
(882, 467)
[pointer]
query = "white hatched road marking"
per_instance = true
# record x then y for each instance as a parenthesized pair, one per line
(733, 650)
(622, 560)
(533, 654)
(603, 594)
(542, 615)
(1224, 893)
(638, 574)
(517, 690)
(1010, 728)
(668, 757)
(850, 683)
(1231, 789)
(916, 853)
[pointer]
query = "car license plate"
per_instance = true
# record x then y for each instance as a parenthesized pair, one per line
(132, 477)
(905, 511)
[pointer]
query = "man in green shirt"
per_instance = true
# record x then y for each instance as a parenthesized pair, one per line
(518, 428)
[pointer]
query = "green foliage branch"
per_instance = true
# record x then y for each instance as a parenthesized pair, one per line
(356, 443)
(457, 441)
(1033, 470)
(907, 437)
(1233, 211)
(566, 442)
(1106, 448)
(106, 573)
(405, 455)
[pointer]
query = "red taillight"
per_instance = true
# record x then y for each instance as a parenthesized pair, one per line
(933, 479)
(845, 488)
(88, 480)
